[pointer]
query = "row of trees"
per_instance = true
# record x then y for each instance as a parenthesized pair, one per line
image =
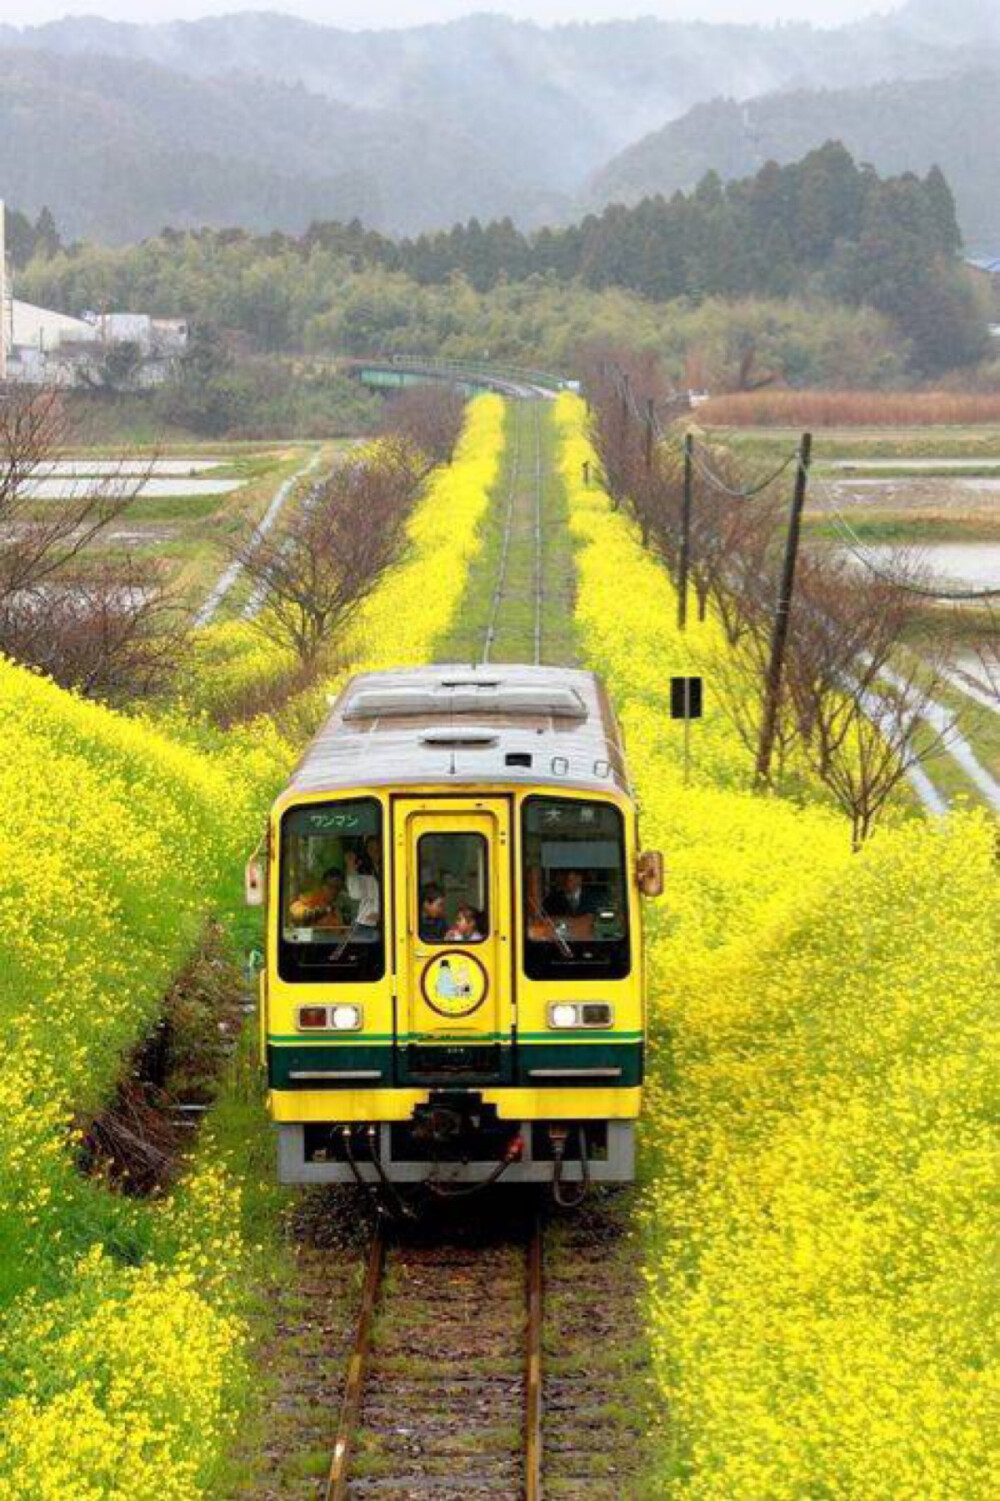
(77, 606)
(850, 700)
(314, 575)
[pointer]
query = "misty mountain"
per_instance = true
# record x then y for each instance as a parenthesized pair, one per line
(951, 122)
(120, 149)
(269, 121)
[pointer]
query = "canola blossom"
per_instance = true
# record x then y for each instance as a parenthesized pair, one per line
(818, 1148)
(121, 1326)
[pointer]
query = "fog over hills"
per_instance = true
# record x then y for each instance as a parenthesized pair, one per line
(901, 126)
(268, 121)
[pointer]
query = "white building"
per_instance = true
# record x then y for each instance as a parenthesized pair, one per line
(41, 329)
(39, 346)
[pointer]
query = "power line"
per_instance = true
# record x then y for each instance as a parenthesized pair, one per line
(749, 492)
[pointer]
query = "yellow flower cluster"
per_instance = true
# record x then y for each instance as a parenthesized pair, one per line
(417, 603)
(121, 1324)
(146, 1410)
(231, 659)
(818, 1139)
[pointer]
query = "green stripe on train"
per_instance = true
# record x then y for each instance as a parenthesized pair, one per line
(466, 1064)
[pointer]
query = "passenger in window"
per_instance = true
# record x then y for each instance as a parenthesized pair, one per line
(433, 922)
(571, 898)
(466, 927)
(373, 855)
(327, 905)
(363, 889)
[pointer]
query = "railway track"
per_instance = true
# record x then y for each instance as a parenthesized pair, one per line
(467, 1400)
(518, 484)
(493, 1363)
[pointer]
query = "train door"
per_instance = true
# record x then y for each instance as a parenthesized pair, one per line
(453, 933)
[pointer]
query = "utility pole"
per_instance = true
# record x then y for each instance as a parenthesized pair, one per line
(779, 636)
(684, 560)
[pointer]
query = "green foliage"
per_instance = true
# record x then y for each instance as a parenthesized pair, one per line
(25, 239)
(822, 230)
(335, 309)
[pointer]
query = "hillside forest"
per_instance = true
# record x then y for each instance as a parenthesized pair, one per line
(819, 273)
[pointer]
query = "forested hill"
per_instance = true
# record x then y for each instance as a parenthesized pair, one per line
(822, 228)
(951, 122)
(267, 121)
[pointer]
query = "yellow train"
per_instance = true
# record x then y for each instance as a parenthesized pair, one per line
(453, 986)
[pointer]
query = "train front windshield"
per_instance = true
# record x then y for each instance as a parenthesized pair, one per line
(332, 924)
(575, 892)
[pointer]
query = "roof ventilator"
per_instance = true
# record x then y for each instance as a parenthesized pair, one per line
(458, 739)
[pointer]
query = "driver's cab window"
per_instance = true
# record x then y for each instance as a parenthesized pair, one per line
(331, 892)
(453, 895)
(575, 896)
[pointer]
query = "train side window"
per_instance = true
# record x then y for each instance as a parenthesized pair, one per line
(331, 923)
(453, 894)
(575, 891)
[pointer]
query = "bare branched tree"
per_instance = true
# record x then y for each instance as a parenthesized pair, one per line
(987, 653)
(429, 417)
(111, 630)
(865, 708)
(350, 531)
(106, 626)
(39, 538)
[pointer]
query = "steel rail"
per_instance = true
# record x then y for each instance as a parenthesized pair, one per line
(350, 1406)
(533, 1371)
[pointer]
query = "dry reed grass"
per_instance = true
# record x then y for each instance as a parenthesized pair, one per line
(851, 409)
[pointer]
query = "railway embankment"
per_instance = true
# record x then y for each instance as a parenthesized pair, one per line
(817, 1145)
(804, 1277)
(126, 1321)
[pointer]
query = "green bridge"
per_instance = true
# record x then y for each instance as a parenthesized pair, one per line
(395, 371)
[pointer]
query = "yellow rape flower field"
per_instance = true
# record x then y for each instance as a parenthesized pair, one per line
(818, 1159)
(820, 1147)
(122, 1333)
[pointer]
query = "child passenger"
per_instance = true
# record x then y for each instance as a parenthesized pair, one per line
(465, 928)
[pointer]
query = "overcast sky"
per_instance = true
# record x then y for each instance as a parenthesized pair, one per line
(355, 13)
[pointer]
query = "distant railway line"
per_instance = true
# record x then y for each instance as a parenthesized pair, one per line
(518, 481)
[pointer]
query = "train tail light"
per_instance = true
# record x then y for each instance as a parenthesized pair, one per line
(312, 1018)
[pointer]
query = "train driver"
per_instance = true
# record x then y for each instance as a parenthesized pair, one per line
(569, 897)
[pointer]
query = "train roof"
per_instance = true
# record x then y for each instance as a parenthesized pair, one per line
(453, 724)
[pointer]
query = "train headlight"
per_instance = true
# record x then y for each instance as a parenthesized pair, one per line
(566, 1015)
(340, 1018)
(345, 1018)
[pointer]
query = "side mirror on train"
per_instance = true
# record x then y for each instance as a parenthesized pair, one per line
(650, 873)
(253, 881)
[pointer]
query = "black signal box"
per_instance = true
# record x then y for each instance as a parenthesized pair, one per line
(686, 698)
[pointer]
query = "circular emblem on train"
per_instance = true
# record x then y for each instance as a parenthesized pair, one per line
(454, 983)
